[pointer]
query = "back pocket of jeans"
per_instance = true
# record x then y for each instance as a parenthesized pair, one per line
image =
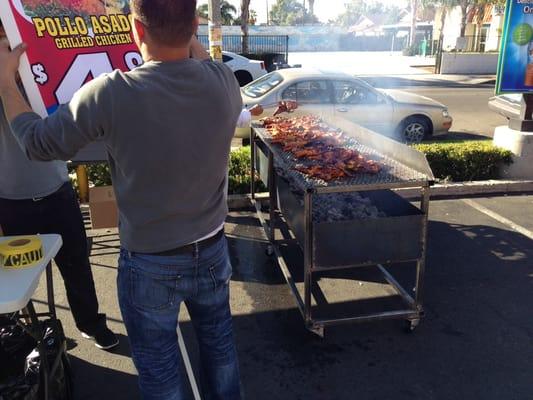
(220, 273)
(151, 291)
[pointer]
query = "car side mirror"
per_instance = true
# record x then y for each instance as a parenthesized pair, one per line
(382, 100)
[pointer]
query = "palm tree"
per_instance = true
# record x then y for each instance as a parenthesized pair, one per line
(311, 7)
(245, 20)
(253, 17)
(203, 11)
(414, 10)
(447, 5)
(227, 12)
(480, 10)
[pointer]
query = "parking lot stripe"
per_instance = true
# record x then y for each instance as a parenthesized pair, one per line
(501, 219)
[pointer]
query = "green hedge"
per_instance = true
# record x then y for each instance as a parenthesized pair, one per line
(465, 160)
(239, 173)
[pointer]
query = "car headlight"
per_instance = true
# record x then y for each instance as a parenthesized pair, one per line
(445, 113)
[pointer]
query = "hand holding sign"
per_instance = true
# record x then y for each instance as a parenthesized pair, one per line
(9, 63)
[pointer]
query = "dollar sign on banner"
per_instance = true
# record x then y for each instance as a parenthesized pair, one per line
(39, 73)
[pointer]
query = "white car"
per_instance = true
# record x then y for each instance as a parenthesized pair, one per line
(401, 115)
(507, 105)
(245, 70)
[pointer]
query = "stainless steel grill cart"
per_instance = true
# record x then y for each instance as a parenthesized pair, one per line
(398, 237)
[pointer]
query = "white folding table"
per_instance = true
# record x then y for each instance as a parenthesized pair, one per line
(17, 286)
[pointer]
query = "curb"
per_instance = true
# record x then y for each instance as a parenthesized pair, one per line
(470, 189)
(236, 201)
(440, 191)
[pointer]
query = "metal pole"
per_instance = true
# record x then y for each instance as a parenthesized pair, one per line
(308, 255)
(252, 164)
(38, 331)
(421, 264)
(272, 198)
(215, 30)
(83, 183)
(526, 112)
(524, 123)
(50, 291)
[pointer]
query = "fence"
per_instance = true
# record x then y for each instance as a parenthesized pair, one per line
(372, 43)
(257, 44)
(466, 44)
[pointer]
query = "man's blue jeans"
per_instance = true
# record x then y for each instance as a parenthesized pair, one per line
(151, 289)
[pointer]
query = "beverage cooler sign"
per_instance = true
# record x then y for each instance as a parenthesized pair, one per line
(69, 43)
(515, 70)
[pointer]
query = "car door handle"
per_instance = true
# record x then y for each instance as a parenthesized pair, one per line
(342, 109)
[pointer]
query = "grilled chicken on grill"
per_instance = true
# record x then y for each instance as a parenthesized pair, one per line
(287, 106)
(308, 139)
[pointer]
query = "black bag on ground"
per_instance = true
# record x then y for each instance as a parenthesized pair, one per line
(21, 375)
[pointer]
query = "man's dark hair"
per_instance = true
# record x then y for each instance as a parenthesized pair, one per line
(169, 22)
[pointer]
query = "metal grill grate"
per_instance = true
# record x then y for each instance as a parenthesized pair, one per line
(392, 172)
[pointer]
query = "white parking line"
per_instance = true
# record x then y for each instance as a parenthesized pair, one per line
(515, 227)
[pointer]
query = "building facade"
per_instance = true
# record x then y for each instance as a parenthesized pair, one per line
(484, 27)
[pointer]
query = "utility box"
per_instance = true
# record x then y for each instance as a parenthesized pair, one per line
(103, 206)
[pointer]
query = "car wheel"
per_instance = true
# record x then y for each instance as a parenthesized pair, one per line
(415, 129)
(243, 77)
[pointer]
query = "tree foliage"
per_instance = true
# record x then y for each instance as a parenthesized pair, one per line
(227, 11)
(290, 12)
(355, 9)
(247, 14)
(465, 5)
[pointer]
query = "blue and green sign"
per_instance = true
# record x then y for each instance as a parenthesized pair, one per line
(515, 67)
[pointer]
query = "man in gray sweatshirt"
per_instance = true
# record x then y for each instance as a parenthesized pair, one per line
(167, 127)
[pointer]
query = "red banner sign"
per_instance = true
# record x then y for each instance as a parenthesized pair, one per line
(69, 43)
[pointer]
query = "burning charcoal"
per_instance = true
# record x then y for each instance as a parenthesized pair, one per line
(344, 207)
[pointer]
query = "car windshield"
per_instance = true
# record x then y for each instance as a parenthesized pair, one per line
(263, 85)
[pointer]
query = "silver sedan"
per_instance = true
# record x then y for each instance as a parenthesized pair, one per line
(401, 115)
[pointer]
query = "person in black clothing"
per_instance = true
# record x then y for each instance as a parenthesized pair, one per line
(37, 197)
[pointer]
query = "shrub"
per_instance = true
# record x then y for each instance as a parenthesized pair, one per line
(465, 160)
(99, 174)
(410, 51)
(239, 172)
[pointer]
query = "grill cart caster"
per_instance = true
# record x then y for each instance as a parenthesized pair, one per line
(317, 330)
(269, 250)
(411, 325)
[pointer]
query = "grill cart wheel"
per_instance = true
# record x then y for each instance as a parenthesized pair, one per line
(411, 325)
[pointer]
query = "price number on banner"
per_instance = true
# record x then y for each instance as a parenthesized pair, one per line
(86, 67)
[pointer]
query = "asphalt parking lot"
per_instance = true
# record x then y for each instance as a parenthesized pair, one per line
(476, 341)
